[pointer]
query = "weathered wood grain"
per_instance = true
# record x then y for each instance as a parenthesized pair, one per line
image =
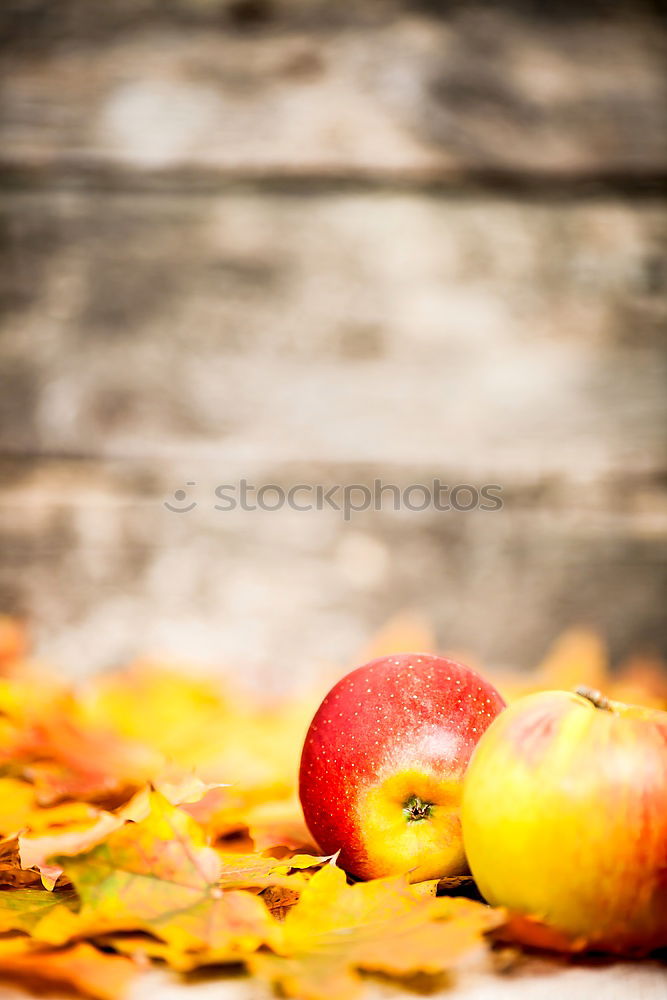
(333, 338)
(383, 90)
(486, 338)
(105, 571)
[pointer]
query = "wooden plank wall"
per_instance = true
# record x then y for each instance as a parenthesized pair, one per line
(313, 242)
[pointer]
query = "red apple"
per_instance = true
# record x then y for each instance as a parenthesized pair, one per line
(383, 762)
(565, 818)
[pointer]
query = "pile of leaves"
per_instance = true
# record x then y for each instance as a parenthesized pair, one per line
(151, 816)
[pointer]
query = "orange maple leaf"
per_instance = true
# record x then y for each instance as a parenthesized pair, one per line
(80, 966)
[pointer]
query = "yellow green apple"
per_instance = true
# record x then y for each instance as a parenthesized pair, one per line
(564, 818)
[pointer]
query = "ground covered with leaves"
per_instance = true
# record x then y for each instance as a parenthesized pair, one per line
(150, 815)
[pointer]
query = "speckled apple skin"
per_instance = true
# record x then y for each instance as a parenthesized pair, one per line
(411, 718)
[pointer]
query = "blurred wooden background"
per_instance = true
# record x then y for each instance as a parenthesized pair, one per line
(301, 241)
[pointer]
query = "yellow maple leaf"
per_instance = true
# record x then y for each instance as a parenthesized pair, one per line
(336, 929)
(23, 909)
(159, 875)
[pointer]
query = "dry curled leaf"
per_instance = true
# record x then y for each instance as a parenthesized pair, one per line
(279, 899)
(245, 870)
(35, 850)
(11, 872)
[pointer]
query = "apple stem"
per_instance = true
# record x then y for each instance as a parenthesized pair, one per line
(595, 697)
(415, 809)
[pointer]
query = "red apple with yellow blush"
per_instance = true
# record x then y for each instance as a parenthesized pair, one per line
(383, 762)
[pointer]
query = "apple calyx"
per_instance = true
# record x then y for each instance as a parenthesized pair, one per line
(595, 697)
(416, 809)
